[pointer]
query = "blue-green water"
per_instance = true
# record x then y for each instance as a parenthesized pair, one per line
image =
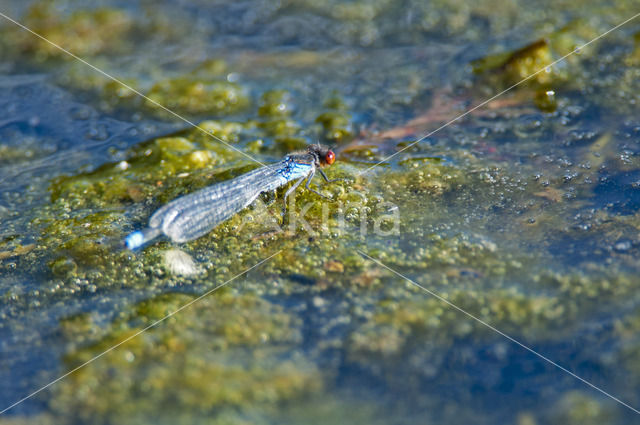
(523, 213)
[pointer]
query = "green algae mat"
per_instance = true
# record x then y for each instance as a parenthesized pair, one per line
(522, 216)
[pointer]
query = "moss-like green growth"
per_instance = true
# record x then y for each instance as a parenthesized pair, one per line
(512, 67)
(579, 408)
(85, 218)
(84, 32)
(531, 66)
(15, 154)
(520, 64)
(395, 324)
(336, 121)
(149, 167)
(276, 110)
(507, 69)
(336, 125)
(633, 59)
(276, 103)
(221, 353)
(39, 419)
(627, 330)
(210, 68)
(198, 96)
(280, 128)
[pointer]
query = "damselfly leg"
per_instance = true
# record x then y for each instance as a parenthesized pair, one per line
(313, 172)
(328, 180)
(286, 196)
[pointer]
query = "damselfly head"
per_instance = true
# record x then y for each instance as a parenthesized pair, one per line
(322, 154)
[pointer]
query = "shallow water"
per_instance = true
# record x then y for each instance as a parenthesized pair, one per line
(523, 214)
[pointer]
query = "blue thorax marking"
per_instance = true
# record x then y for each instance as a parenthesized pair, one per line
(293, 170)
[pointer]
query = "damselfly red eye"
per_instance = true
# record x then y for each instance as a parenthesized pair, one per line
(330, 157)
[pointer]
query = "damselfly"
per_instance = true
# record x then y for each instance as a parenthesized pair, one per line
(191, 216)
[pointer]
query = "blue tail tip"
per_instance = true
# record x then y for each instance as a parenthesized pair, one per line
(134, 240)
